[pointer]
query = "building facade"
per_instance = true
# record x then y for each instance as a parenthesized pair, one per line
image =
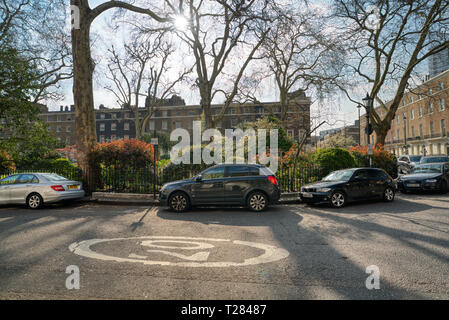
(420, 126)
(347, 131)
(113, 124)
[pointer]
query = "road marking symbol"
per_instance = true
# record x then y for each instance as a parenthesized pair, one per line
(270, 253)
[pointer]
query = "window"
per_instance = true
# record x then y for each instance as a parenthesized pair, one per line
(412, 114)
(67, 140)
(58, 129)
(291, 133)
(413, 131)
(164, 125)
(403, 102)
(430, 91)
(152, 125)
(27, 178)
(126, 127)
(102, 139)
(419, 112)
(102, 126)
(419, 96)
(376, 175)
(420, 130)
(69, 129)
(441, 85)
(164, 114)
(398, 132)
(238, 171)
(59, 118)
(430, 108)
(431, 127)
(361, 175)
(113, 126)
(9, 180)
(411, 99)
(398, 119)
(178, 124)
(443, 127)
(213, 173)
(442, 104)
(102, 116)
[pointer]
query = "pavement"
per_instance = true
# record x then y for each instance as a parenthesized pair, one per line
(288, 252)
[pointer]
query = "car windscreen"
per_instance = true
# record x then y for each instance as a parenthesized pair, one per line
(53, 177)
(415, 158)
(343, 175)
(435, 159)
(428, 168)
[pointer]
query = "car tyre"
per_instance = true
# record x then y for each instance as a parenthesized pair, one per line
(179, 202)
(338, 199)
(35, 201)
(388, 194)
(257, 201)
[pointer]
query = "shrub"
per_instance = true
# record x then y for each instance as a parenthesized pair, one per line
(120, 154)
(381, 158)
(6, 162)
(333, 159)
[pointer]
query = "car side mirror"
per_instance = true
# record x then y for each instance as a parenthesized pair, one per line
(199, 178)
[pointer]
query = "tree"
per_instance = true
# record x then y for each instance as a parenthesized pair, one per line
(83, 68)
(300, 56)
(387, 40)
(45, 46)
(234, 27)
(339, 140)
(145, 64)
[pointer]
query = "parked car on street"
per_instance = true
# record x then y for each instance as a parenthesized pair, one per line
(37, 189)
(429, 176)
(435, 159)
(250, 185)
(406, 163)
(340, 187)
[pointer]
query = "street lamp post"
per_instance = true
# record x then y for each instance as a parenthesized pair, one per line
(360, 134)
(367, 103)
(405, 135)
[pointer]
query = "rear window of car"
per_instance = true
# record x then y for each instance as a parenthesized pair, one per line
(54, 177)
(242, 171)
(264, 171)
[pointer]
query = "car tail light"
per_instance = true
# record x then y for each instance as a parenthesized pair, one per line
(58, 188)
(273, 180)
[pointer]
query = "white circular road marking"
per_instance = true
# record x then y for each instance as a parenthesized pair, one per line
(271, 253)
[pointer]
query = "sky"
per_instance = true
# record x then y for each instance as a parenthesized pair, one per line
(344, 112)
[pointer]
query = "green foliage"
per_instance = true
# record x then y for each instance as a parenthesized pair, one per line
(333, 159)
(284, 141)
(32, 145)
(165, 144)
(6, 162)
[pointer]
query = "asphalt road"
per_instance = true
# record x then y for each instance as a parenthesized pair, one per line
(288, 252)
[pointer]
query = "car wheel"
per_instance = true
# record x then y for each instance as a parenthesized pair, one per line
(444, 187)
(388, 194)
(35, 201)
(338, 199)
(257, 202)
(179, 202)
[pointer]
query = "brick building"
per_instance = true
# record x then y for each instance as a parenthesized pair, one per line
(421, 122)
(113, 123)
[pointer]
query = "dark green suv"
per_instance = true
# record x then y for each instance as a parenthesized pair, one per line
(250, 185)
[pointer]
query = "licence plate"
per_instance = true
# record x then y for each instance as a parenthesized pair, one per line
(307, 195)
(413, 185)
(74, 187)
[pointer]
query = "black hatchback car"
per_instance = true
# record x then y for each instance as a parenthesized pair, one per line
(426, 177)
(250, 185)
(343, 186)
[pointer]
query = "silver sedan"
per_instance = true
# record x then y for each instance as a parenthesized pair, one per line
(35, 189)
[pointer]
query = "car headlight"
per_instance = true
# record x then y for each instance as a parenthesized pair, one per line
(431, 180)
(323, 190)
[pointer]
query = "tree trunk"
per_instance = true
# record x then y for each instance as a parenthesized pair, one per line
(83, 90)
